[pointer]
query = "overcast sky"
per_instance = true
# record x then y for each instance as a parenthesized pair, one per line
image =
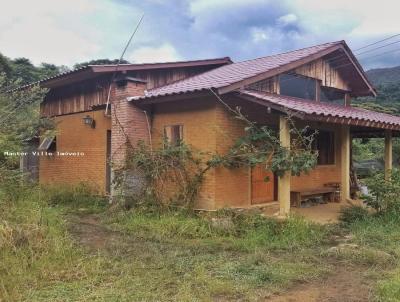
(70, 31)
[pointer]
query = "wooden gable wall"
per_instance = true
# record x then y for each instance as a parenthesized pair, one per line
(82, 96)
(319, 69)
(322, 70)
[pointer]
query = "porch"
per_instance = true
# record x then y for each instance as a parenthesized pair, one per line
(345, 123)
(322, 213)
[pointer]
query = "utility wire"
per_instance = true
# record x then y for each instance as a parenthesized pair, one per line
(377, 42)
(120, 59)
(379, 47)
(113, 77)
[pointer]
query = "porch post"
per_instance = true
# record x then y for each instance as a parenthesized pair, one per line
(345, 162)
(284, 180)
(388, 153)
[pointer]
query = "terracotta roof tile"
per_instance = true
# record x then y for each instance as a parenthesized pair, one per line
(310, 107)
(232, 73)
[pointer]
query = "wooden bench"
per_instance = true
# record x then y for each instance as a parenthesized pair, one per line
(328, 193)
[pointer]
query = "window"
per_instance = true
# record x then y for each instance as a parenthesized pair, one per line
(324, 143)
(298, 86)
(173, 134)
(332, 95)
(48, 144)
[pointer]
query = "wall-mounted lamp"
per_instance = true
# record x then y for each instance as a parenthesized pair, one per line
(88, 120)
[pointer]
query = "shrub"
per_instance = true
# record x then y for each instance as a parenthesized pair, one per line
(384, 194)
(78, 196)
(353, 214)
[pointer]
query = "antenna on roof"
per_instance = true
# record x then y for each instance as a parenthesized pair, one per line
(120, 59)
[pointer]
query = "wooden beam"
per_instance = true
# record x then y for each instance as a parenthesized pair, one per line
(318, 90)
(347, 99)
(284, 181)
(388, 153)
(345, 143)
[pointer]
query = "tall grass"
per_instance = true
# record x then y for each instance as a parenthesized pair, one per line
(35, 247)
(244, 232)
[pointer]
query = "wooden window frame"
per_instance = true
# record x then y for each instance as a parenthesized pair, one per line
(333, 148)
(296, 75)
(168, 139)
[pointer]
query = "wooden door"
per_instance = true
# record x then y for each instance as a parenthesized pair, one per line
(261, 190)
(108, 164)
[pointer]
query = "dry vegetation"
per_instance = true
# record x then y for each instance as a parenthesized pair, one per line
(65, 245)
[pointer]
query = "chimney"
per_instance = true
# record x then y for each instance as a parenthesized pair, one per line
(129, 123)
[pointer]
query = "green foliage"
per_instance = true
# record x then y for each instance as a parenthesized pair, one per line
(261, 145)
(384, 194)
(353, 214)
(172, 174)
(19, 122)
(81, 197)
(99, 62)
(21, 71)
(35, 248)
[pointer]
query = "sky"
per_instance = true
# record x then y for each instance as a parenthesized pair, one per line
(65, 32)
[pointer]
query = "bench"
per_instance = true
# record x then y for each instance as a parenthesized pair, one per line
(328, 193)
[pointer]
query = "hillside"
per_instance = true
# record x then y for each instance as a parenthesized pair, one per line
(384, 76)
(387, 83)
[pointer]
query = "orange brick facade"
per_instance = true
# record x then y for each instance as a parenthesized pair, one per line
(209, 127)
(74, 136)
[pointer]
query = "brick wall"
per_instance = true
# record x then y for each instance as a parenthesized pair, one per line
(232, 186)
(199, 131)
(74, 136)
(321, 174)
(129, 124)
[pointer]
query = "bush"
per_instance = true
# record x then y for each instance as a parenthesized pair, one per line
(79, 196)
(353, 214)
(384, 194)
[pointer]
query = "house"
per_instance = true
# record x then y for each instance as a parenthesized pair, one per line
(148, 101)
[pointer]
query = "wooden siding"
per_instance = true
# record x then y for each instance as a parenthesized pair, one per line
(82, 96)
(318, 69)
(321, 69)
(75, 98)
(268, 85)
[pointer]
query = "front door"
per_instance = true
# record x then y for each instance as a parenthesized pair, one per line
(263, 184)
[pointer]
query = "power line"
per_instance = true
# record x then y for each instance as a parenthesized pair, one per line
(377, 42)
(383, 53)
(379, 47)
(340, 56)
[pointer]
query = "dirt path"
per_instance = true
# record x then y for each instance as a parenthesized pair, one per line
(345, 284)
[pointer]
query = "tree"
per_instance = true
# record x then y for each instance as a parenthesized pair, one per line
(5, 65)
(19, 121)
(99, 62)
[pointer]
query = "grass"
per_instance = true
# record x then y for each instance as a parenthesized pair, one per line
(154, 255)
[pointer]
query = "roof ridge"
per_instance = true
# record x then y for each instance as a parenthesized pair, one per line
(227, 58)
(291, 51)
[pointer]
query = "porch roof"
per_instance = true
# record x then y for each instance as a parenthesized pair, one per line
(324, 112)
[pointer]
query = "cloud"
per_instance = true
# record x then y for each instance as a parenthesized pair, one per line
(148, 54)
(69, 31)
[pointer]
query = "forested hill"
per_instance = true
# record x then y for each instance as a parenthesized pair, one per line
(24, 71)
(387, 83)
(384, 76)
